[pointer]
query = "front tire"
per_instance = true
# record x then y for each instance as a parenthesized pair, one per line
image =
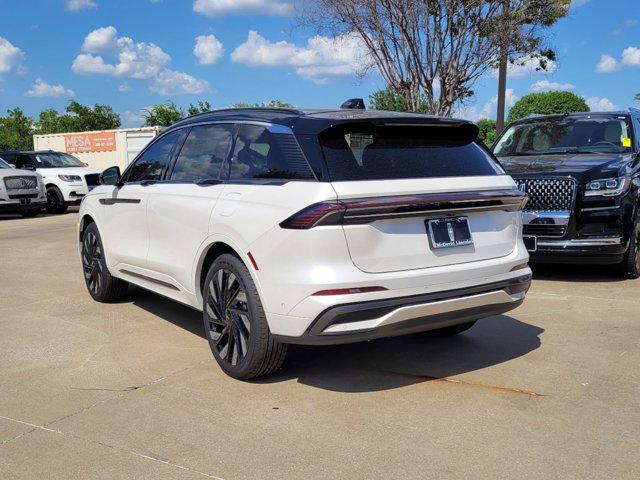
(55, 200)
(235, 323)
(630, 266)
(102, 286)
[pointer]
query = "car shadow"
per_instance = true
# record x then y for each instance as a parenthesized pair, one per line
(379, 364)
(576, 273)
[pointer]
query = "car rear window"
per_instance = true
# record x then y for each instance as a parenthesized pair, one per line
(361, 152)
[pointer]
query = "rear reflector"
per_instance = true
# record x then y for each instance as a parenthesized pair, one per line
(347, 291)
(253, 260)
(519, 267)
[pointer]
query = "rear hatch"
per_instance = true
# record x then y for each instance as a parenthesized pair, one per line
(420, 196)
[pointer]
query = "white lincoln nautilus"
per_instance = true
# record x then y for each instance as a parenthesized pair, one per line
(310, 226)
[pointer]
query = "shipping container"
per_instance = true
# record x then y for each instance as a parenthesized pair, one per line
(100, 149)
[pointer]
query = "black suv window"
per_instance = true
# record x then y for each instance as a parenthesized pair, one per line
(203, 153)
(25, 161)
(367, 152)
(151, 164)
(259, 154)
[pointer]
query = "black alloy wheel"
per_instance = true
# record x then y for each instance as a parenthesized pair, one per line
(92, 263)
(55, 201)
(235, 323)
(229, 326)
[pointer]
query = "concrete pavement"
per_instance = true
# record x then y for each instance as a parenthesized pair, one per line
(130, 390)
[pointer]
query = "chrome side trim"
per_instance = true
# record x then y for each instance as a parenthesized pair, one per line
(599, 209)
(593, 242)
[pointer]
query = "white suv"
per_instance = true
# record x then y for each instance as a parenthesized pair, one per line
(315, 227)
(67, 180)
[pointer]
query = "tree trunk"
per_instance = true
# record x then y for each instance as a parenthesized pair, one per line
(502, 90)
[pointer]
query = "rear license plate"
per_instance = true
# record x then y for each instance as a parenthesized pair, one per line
(449, 232)
(531, 243)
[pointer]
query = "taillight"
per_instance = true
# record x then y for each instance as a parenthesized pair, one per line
(347, 291)
(323, 213)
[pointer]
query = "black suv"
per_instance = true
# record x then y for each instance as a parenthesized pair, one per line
(581, 172)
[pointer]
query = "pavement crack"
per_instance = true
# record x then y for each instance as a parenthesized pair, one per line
(494, 388)
(135, 453)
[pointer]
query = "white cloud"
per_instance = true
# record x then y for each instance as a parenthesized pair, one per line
(169, 82)
(87, 64)
(140, 60)
(101, 40)
(78, 5)
(10, 58)
(216, 8)
(546, 86)
(631, 56)
(208, 49)
(125, 88)
(489, 108)
(597, 104)
(42, 89)
(607, 64)
(578, 3)
(527, 66)
(133, 60)
(322, 57)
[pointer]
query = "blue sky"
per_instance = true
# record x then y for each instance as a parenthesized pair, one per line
(131, 54)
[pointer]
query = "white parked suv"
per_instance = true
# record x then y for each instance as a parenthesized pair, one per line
(314, 227)
(67, 180)
(21, 191)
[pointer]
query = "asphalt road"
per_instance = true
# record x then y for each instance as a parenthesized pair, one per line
(130, 390)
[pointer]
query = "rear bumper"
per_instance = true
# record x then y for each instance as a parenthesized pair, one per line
(605, 250)
(369, 320)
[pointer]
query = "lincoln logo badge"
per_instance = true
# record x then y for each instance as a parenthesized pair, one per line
(450, 230)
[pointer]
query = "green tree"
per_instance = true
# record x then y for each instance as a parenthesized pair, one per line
(637, 97)
(200, 107)
(547, 103)
(78, 118)
(390, 100)
(162, 115)
(487, 131)
(271, 104)
(16, 131)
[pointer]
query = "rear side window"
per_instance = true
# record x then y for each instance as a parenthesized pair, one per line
(152, 163)
(355, 152)
(259, 154)
(203, 153)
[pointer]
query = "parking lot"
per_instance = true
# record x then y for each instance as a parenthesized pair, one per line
(130, 390)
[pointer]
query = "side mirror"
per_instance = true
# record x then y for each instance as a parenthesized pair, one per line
(111, 176)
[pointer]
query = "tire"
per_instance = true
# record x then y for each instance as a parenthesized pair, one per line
(55, 200)
(235, 323)
(102, 286)
(30, 212)
(630, 265)
(450, 331)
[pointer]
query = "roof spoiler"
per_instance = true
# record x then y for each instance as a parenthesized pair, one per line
(353, 104)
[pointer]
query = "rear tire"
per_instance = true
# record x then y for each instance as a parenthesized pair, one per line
(235, 323)
(102, 286)
(630, 265)
(30, 212)
(450, 331)
(55, 200)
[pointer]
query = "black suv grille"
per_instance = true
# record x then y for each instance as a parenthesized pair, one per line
(93, 179)
(21, 183)
(550, 194)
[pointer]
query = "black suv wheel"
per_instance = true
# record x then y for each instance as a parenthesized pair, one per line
(235, 323)
(630, 266)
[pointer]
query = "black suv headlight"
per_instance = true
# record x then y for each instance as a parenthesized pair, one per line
(607, 187)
